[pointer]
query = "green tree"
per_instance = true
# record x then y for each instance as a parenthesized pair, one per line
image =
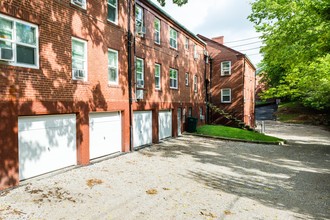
(296, 34)
(178, 2)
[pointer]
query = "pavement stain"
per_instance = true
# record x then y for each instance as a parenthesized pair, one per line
(92, 182)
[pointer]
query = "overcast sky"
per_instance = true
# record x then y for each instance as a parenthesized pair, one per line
(213, 18)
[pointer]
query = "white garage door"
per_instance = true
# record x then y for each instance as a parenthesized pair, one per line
(165, 124)
(105, 134)
(46, 143)
(142, 128)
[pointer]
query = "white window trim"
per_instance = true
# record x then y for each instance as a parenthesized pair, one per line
(117, 68)
(116, 7)
(157, 42)
(195, 52)
(176, 40)
(176, 79)
(141, 72)
(160, 74)
(85, 58)
(200, 113)
(186, 44)
(81, 6)
(195, 83)
(222, 70)
(14, 43)
(142, 22)
(187, 79)
(222, 101)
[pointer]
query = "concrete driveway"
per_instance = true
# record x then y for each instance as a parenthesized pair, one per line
(184, 178)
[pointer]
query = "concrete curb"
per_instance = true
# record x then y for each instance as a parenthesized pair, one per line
(237, 140)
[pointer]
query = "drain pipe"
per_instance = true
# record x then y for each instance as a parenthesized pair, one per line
(129, 70)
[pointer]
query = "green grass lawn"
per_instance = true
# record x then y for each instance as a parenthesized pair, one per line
(236, 133)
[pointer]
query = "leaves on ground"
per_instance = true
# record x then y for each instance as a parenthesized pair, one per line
(227, 212)
(93, 182)
(151, 191)
(208, 214)
(166, 189)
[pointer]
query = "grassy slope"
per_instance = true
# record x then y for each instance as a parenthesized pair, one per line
(229, 132)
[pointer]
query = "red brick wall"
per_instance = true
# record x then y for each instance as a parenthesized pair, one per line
(50, 89)
(180, 59)
(249, 91)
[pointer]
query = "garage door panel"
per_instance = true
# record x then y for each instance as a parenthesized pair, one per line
(165, 124)
(142, 128)
(105, 134)
(46, 143)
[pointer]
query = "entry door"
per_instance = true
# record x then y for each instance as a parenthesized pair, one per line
(179, 121)
(165, 124)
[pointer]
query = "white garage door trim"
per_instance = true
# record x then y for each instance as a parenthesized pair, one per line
(165, 124)
(105, 134)
(46, 143)
(142, 128)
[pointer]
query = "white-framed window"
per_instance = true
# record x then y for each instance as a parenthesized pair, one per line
(139, 73)
(157, 30)
(139, 24)
(226, 95)
(195, 83)
(190, 112)
(80, 3)
(157, 76)
(186, 44)
(113, 66)
(225, 68)
(18, 42)
(173, 78)
(186, 77)
(112, 11)
(79, 59)
(201, 116)
(173, 38)
(195, 52)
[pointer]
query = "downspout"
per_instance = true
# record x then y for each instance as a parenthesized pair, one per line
(243, 89)
(205, 86)
(211, 69)
(129, 64)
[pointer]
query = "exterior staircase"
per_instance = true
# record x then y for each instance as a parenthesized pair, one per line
(239, 123)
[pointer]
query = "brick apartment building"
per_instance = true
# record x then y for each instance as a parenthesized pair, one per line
(232, 82)
(81, 79)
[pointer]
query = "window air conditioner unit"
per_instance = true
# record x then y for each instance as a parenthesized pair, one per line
(139, 84)
(142, 31)
(225, 72)
(79, 73)
(139, 94)
(78, 2)
(6, 54)
(196, 56)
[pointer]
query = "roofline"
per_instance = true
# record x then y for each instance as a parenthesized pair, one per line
(221, 45)
(165, 14)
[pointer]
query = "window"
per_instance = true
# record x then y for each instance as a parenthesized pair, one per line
(139, 72)
(157, 76)
(187, 79)
(195, 83)
(113, 66)
(80, 3)
(225, 68)
(173, 79)
(226, 95)
(195, 52)
(173, 38)
(112, 11)
(190, 112)
(79, 59)
(139, 28)
(157, 30)
(18, 42)
(186, 44)
(201, 116)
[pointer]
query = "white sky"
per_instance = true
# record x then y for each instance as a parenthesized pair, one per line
(212, 18)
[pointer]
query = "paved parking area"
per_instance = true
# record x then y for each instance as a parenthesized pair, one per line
(184, 178)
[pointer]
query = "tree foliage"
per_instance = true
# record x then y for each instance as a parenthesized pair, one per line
(296, 34)
(178, 2)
